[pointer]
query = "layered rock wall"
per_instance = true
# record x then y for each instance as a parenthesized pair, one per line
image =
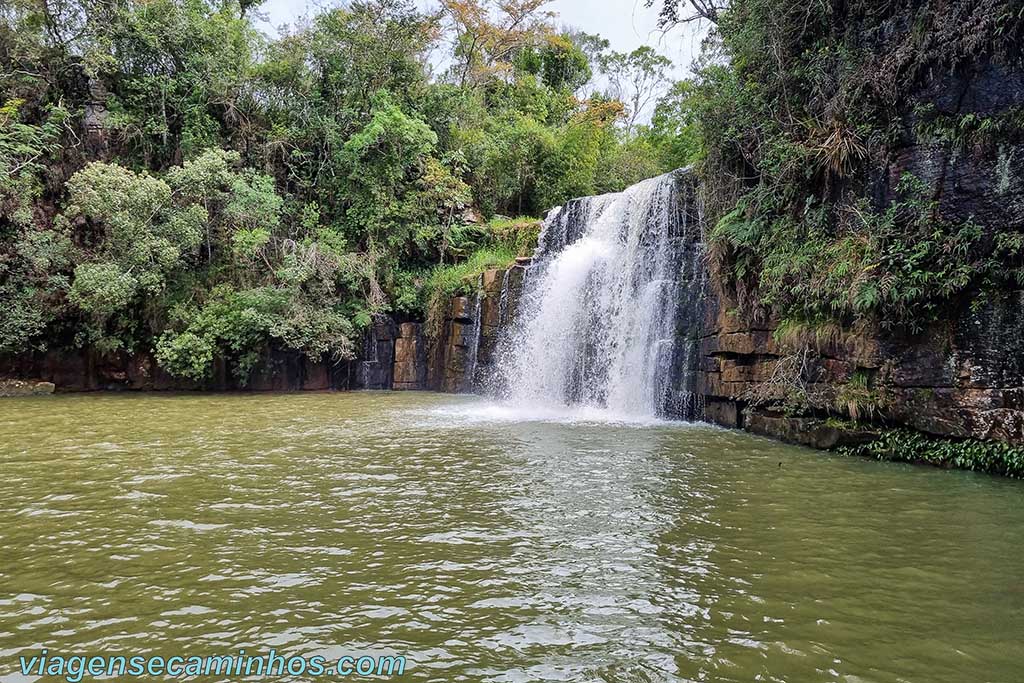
(963, 377)
(465, 352)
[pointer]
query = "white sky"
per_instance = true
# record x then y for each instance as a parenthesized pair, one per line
(627, 24)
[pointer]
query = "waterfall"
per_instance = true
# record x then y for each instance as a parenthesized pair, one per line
(473, 352)
(614, 283)
(503, 298)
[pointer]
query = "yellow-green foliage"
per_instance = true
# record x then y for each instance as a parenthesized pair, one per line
(460, 278)
(506, 238)
(255, 193)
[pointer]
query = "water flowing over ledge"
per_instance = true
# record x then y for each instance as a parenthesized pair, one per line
(603, 318)
(617, 314)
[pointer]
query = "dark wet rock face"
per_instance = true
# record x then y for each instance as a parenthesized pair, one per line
(963, 376)
(87, 370)
(410, 371)
(462, 357)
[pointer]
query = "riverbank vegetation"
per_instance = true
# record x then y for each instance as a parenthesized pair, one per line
(904, 445)
(502, 240)
(174, 181)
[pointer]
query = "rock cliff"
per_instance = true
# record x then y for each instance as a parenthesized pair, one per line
(963, 377)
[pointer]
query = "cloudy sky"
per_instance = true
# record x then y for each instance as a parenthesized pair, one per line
(627, 24)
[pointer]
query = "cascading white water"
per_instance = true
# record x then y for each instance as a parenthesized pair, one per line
(469, 378)
(598, 323)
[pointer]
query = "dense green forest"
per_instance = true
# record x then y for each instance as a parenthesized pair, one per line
(174, 180)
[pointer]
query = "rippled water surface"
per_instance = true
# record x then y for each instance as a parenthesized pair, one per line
(490, 546)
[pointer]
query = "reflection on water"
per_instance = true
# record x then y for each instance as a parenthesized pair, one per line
(486, 545)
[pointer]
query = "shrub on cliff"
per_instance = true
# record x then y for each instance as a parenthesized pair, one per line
(838, 140)
(241, 325)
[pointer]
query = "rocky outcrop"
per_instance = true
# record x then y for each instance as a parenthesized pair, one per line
(10, 388)
(459, 344)
(94, 119)
(963, 377)
(465, 352)
(410, 370)
(376, 364)
(807, 431)
(502, 289)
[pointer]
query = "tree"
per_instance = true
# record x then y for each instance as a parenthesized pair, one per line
(557, 62)
(635, 78)
(173, 180)
(131, 239)
(591, 45)
(674, 12)
(383, 157)
(488, 34)
(674, 131)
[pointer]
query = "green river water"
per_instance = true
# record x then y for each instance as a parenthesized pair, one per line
(489, 546)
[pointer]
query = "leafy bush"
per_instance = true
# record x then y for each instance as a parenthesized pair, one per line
(172, 178)
(461, 278)
(898, 265)
(904, 445)
(24, 149)
(242, 325)
(102, 289)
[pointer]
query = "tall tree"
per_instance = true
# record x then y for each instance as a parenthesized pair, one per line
(674, 12)
(636, 78)
(489, 33)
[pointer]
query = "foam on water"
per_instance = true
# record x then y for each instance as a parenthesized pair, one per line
(491, 412)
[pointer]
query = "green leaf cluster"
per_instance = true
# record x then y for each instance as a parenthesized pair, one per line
(904, 445)
(806, 113)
